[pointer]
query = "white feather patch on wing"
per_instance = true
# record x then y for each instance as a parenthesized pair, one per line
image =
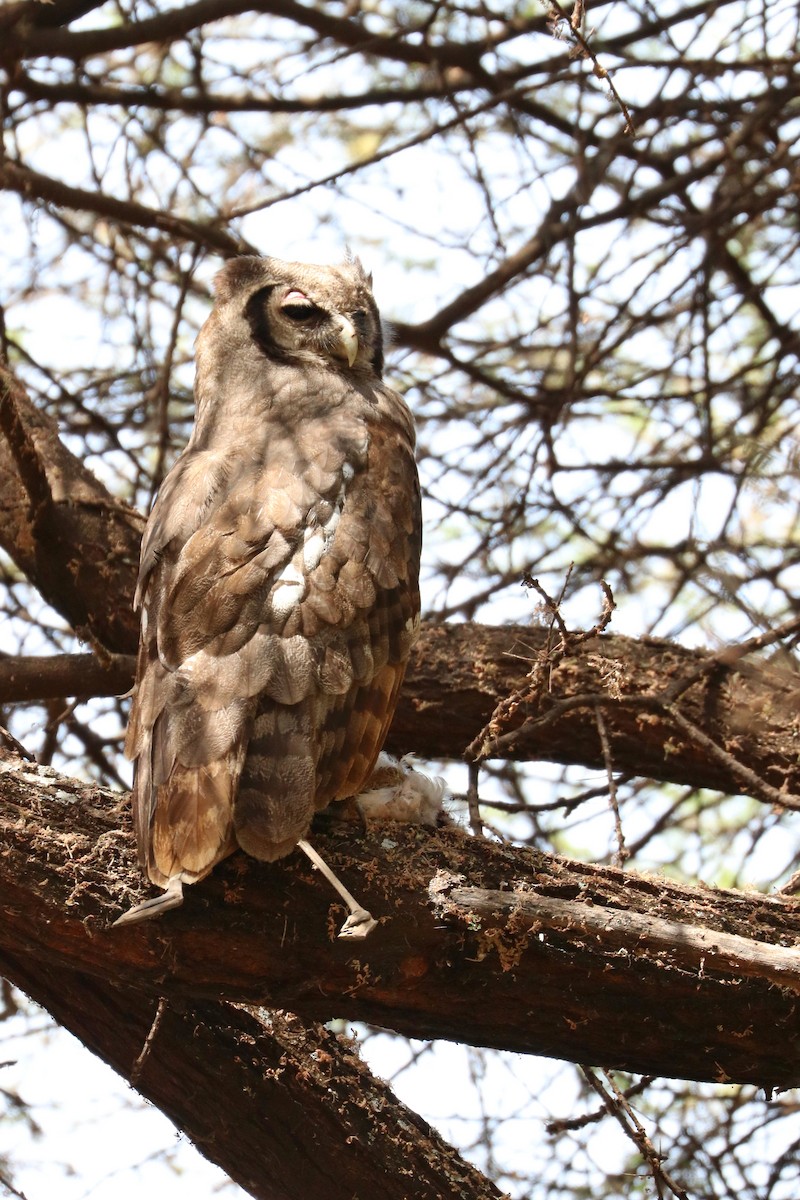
(288, 590)
(314, 546)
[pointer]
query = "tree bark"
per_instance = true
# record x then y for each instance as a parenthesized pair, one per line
(477, 942)
(285, 1107)
(75, 542)
(662, 704)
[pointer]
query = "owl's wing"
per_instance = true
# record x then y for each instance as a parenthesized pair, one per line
(356, 616)
(278, 589)
(380, 551)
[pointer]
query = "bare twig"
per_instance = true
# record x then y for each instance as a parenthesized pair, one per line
(543, 664)
(617, 1105)
(557, 1127)
(585, 51)
(138, 1066)
(752, 783)
(622, 853)
(12, 744)
(473, 800)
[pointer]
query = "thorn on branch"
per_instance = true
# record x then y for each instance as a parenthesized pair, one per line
(568, 1124)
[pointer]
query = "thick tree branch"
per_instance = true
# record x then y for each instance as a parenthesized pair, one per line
(669, 346)
(746, 713)
(166, 99)
(288, 1110)
(76, 543)
(34, 186)
(477, 942)
(53, 676)
(37, 15)
(25, 41)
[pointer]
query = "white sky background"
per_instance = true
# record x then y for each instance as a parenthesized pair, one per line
(98, 1141)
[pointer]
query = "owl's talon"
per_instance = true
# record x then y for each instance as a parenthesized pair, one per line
(358, 925)
(156, 906)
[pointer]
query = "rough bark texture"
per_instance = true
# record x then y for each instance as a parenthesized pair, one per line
(284, 1106)
(480, 943)
(735, 728)
(459, 674)
(73, 540)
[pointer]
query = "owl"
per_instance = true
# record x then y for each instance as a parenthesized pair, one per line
(278, 582)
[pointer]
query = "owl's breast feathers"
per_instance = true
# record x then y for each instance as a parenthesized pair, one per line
(280, 602)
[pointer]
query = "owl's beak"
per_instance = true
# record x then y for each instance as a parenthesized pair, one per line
(348, 339)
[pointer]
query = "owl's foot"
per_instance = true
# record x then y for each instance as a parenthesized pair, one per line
(360, 923)
(156, 906)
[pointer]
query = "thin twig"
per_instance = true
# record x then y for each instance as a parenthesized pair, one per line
(730, 655)
(6, 1183)
(543, 665)
(571, 1124)
(618, 1107)
(473, 800)
(585, 51)
(15, 745)
(144, 1054)
(753, 783)
(621, 854)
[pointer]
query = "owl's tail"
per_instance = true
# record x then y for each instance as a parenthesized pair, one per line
(275, 803)
(192, 827)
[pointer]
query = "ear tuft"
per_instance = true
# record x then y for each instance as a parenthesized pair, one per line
(357, 267)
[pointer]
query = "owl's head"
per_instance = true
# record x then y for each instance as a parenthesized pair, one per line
(300, 312)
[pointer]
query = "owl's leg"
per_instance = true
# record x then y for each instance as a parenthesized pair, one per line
(156, 906)
(360, 923)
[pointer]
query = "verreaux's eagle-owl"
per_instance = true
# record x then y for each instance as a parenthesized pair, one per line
(279, 576)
